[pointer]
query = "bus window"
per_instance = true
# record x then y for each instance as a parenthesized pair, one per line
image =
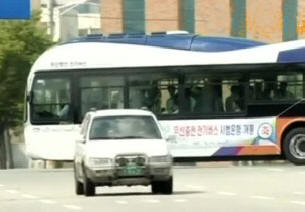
(277, 87)
(289, 86)
(212, 96)
(158, 93)
(101, 92)
(51, 99)
(199, 95)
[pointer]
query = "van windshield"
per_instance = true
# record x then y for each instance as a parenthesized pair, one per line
(124, 127)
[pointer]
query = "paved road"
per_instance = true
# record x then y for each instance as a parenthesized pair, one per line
(263, 188)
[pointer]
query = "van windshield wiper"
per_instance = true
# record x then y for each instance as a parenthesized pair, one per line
(103, 137)
(131, 136)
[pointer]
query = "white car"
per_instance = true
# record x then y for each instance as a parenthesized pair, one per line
(122, 147)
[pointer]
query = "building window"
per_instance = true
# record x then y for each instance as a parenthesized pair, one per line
(238, 18)
(187, 15)
(290, 13)
(134, 16)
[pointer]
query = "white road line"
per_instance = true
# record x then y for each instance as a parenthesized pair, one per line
(299, 193)
(73, 207)
(28, 196)
(298, 202)
(180, 200)
(275, 170)
(262, 197)
(121, 202)
(47, 201)
(152, 200)
(226, 193)
(1, 185)
(11, 191)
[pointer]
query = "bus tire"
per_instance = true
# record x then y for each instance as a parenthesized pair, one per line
(294, 146)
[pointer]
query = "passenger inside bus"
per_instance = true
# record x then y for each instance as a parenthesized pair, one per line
(190, 100)
(153, 100)
(258, 90)
(172, 102)
(64, 112)
(282, 92)
(233, 102)
(269, 89)
(204, 99)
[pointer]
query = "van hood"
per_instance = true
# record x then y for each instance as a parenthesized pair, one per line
(112, 147)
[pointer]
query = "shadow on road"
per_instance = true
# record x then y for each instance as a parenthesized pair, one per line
(147, 193)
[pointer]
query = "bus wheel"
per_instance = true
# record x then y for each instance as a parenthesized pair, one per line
(294, 146)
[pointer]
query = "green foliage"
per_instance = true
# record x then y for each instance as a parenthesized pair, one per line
(21, 42)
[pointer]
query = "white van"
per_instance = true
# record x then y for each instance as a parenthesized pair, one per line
(122, 147)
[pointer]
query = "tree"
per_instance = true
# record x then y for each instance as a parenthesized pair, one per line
(21, 42)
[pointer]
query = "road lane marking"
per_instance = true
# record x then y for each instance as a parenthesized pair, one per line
(47, 201)
(152, 200)
(73, 207)
(226, 193)
(28, 196)
(262, 197)
(298, 202)
(275, 170)
(180, 200)
(121, 202)
(299, 193)
(11, 191)
(1, 185)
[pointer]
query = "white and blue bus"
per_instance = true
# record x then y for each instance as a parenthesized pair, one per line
(217, 98)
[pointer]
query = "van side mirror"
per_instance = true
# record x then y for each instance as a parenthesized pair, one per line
(81, 139)
(171, 138)
(29, 97)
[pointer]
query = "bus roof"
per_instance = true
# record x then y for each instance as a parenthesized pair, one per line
(117, 51)
(178, 40)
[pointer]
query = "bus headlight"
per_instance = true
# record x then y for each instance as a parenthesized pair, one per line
(161, 159)
(99, 162)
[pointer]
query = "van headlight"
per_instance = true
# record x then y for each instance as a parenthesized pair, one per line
(161, 159)
(99, 162)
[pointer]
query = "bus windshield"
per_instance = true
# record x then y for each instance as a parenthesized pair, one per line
(51, 100)
(124, 127)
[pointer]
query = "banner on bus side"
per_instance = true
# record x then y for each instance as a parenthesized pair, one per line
(195, 138)
(15, 9)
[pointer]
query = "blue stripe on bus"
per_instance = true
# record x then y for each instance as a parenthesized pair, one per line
(292, 56)
(228, 151)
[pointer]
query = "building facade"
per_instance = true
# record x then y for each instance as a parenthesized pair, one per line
(263, 20)
(67, 19)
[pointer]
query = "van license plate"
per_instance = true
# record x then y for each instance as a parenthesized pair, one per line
(132, 171)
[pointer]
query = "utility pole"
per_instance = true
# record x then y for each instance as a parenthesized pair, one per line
(51, 17)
